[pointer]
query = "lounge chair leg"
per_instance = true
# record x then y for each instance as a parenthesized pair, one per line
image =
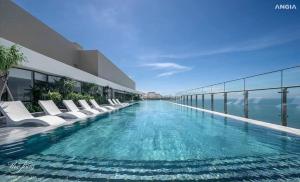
(5, 86)
(9, 93)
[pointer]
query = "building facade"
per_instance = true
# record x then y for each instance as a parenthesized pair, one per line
(152, 96)
(51, 57)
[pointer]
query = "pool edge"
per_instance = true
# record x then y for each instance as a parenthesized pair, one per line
(252, 121)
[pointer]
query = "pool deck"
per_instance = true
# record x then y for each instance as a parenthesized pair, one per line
(252, 121)
(10, 135)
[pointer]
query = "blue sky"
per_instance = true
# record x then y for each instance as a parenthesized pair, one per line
(170, 45)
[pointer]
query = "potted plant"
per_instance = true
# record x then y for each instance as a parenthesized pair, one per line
(9, 57)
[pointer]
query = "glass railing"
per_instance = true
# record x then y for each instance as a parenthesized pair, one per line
(272, 97)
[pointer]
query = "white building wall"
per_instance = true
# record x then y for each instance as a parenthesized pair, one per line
(38, 62)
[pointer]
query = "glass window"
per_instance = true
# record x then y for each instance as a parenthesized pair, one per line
(189, 100)
(207, 101)
(20, 73)
(207, 90)
(186, 100)
(271, 80)
(218, 88)
(235, 103)
(237, 85)
(291, 77)
(199, 97)
(199, 91)
(20, 84)
(219, 102)
(54, 82)
(265, 105)
(40, 85)
(100, 90)
(182, 100)
(77, 87)
(40, 77)
(194, 100)
(293, 107)
(53, 79)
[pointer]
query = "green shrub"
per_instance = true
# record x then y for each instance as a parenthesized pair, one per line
(64, 86)
(87, 97)
(31, 107)
(73, 96)
(76, 96)
(69, 86)
(55, 96)
(100, 99)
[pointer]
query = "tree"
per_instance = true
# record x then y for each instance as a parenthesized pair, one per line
(9, 57)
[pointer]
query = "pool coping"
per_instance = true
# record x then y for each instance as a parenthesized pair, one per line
(9, 135)
(252, 121)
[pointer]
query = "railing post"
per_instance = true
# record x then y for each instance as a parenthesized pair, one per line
(212, 101)
(284, 115)
(225, 102)
(202, 101)
(196, 102)
(246, 111)
(187, 100)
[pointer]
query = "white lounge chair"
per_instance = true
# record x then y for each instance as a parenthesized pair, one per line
(87, 107)
(99, 108)
(113, 100)
(111, 107)
(17, 115)
(126, 104)
(70, 105)
(113, 104)
(50, 108)
(119, 103)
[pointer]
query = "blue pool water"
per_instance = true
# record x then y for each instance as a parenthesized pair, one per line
(156, 140)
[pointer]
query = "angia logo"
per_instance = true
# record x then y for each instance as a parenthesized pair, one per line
(285, 7)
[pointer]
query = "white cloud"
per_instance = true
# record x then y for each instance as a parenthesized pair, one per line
(165, 66)
(169, 68)
(274, 39)
(170, 73)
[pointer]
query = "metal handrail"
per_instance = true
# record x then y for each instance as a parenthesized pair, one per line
(244, 78)
(250, 90)
(186, 97)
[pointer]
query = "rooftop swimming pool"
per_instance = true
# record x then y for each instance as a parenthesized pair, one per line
(154, 140)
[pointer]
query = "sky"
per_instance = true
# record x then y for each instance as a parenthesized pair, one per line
(172, 45)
